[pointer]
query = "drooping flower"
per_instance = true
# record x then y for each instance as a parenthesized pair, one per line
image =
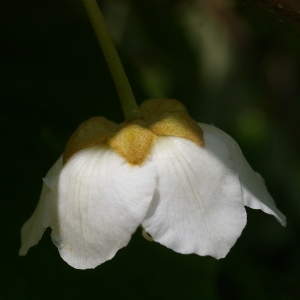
(185, 183)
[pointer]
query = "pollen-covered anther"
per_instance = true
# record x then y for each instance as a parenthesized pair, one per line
(169, 117)
(153, 109)
(91, 132)
(180, 125)
(133, 142)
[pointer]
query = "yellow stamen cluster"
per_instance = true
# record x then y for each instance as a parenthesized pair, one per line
(134, 140)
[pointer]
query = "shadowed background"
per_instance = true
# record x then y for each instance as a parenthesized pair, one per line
(234, 66)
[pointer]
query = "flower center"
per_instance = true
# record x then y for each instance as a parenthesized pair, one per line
(134, 140)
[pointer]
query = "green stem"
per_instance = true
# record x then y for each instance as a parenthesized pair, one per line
(130, 108)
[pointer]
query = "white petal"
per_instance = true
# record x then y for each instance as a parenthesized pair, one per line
(197, 207)
(255, 193)
(33, 229)
(101, 201)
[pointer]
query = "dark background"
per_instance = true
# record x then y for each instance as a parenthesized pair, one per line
(232, 66)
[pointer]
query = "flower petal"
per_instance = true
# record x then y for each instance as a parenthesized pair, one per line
(101, 201)
(255, 193)
(197, 206)
(33, 229)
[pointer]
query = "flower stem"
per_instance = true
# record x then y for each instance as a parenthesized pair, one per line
(129, 106)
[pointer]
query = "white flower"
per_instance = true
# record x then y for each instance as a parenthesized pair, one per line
(189, 198)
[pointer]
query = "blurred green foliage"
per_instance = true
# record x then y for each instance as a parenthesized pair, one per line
(244, 79)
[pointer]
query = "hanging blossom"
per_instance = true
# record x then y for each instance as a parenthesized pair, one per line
(186, 184)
